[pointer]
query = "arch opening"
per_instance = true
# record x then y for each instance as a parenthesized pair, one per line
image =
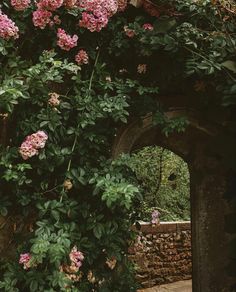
(164, 179)
(163, 255)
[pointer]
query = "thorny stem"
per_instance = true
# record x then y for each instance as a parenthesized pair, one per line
(49, 191)
(198, 54)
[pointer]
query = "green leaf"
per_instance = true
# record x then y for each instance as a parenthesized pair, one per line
(164, 25)
(3, 211)
(55, 214)
(98, 230)
(231, 65)
(33, 285)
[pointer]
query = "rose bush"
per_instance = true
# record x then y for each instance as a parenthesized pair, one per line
(72, 72)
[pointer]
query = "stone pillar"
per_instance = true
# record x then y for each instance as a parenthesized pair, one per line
(209, 243)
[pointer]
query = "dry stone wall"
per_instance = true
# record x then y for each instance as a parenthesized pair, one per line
(162, 253)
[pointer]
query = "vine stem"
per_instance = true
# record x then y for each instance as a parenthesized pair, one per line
(72, 150)
(49, 191)
(89, 88)
(202, 56)
(70, 161)
(198, 54)
(76, 136)
(92, 75)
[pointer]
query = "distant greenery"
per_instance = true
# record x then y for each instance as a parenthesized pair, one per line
(164, 179)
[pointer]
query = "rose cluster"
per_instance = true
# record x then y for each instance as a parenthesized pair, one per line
(20, 5)
(70, 3)
(97, 13)
(24, 260)
(82, 57)
(65, 41)
(142, 68)
(95, 16)
(71, 271)
(129, 32)
(41, 18)
(32, 144)
(8, 29)
(54, 99)
(111, 262)
(148, 26)
(51, 5)
(76, 257)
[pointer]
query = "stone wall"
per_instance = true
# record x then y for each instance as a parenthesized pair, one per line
(163, 253)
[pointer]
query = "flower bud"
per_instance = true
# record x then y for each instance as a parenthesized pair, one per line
(67, 185)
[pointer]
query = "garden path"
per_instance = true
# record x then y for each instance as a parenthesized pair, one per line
(181, 286)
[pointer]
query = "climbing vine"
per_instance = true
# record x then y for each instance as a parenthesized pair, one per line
(73, 72)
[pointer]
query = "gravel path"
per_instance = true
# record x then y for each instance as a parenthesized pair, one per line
(181, 286)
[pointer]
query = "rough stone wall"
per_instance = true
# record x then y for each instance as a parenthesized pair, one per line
(163, 253)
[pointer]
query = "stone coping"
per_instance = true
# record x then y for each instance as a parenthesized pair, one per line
(163, 227)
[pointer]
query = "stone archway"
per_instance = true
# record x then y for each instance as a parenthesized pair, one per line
(201, 147)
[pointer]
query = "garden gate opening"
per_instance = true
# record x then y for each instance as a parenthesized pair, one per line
(162, 251)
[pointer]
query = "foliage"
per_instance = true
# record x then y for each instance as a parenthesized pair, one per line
(164, 179)
(74, 193)
(196, 42)
(75, 151)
